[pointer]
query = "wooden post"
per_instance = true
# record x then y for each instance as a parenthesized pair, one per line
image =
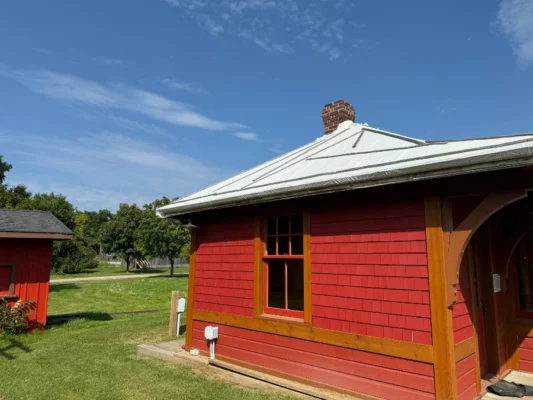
(190, 289)
(172, 327)
(441, 315)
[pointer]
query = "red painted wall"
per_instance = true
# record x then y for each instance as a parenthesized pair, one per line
(369, 270)
(33, 260)
(372, 374)
(463, 327)
(466, 378)
(224, 278)
(525, 353)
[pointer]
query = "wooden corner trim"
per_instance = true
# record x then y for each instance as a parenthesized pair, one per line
(464, 349)
(258, 267)
(308, 304)
(190, 288)
(388, 347)
(22, 235)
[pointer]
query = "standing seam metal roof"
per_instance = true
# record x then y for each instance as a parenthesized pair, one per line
(355, 156)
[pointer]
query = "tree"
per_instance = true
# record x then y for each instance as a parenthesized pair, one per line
(158, 237)
(118, 234)
(57, 204)
(11, 197)
(90, 225)
(4, 169)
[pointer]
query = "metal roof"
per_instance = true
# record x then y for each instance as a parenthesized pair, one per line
(356, 156)
(30, 221)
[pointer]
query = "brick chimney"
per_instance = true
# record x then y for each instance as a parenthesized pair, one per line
(335, 113)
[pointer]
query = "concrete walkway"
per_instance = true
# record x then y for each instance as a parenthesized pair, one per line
(115, 277)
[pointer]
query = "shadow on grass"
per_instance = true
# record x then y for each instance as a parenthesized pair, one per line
(62, 319)
(13, 344)
(56, 287)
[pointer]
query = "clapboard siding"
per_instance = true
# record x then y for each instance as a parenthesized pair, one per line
(372, 374)
(369, 270)
(33, 261)
(463, 326)
(466, 378)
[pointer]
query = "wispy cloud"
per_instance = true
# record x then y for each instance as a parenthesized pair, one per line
(140, 170)
(112, 62)
(515, 19)
(187, 87)
(251, 136)
(316, 22)
(76, 90)
(41, 50)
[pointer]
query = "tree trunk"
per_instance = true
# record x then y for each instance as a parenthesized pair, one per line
(127, 264)
(171, 266)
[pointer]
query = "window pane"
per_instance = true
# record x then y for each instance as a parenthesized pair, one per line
(297, 224)
(283, 225)
(297, 245)
(271, 225)
(5, 280)
(283, 245)
(276, 283)
(271, 245)
(295, 283)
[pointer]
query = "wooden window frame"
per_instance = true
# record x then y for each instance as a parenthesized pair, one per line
(11, 294)
(261, 270)
(515, 277)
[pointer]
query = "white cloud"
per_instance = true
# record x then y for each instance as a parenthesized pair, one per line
(187, 87)
(73, 89)
(515, 19)
(277, 26)
(111, 62)
(247, 136)
(102, 170)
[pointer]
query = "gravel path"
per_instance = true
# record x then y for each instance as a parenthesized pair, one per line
(112, 278)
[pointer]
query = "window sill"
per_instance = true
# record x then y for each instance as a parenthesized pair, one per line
(9, 297)
(281, 318)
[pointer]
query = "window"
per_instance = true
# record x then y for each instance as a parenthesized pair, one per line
(7, 280)
(284, 266)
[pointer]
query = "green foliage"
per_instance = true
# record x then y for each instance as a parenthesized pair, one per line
(11, 197)
(4, 169)
(14, 320)
(158, 237)
(73, 256)
(118, 235)
(90, 225)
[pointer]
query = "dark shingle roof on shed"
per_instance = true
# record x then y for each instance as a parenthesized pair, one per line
(30, 221)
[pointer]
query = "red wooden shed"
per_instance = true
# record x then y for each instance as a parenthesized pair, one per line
(369, 262)
(26, 239)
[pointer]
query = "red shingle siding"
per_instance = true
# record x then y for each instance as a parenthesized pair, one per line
(465, 373)
(225, 267)
(525, 353)
(463, 327)
(369, 271)
(372, 374)
(33, 260)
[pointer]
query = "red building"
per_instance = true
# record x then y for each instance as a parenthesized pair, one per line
(26, 239)
(369, 262)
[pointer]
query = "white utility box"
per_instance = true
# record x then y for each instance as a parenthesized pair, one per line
(211, 332)
(497, 283)
(181, 305)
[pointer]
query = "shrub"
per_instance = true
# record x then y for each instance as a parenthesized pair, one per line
(14, 320)
(73, 256)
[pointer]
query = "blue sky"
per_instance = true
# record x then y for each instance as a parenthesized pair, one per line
(127, 101)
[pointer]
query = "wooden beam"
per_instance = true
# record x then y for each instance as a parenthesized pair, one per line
(173, 329)
(299, 330)
(308, 305)
(461, 235)
(190, 290)
(24, 235)
(258, 267)
(465, 349)
(441, 315)
(524, 328)
(473, 301)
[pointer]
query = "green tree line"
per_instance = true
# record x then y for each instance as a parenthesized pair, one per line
(132, 233)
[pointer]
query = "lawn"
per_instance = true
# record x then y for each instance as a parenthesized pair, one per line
(94, 356)
(106, 269)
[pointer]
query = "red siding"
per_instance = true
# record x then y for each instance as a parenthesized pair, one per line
(466, 378)
(463, 327)
(369, 271)
(372, 374)
(225, 267)
(33, 259)
(525, 354)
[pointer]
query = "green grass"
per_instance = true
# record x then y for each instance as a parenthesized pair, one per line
(94, 357)
(106, 269)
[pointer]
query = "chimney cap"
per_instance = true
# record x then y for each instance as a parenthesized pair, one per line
(335, 113)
